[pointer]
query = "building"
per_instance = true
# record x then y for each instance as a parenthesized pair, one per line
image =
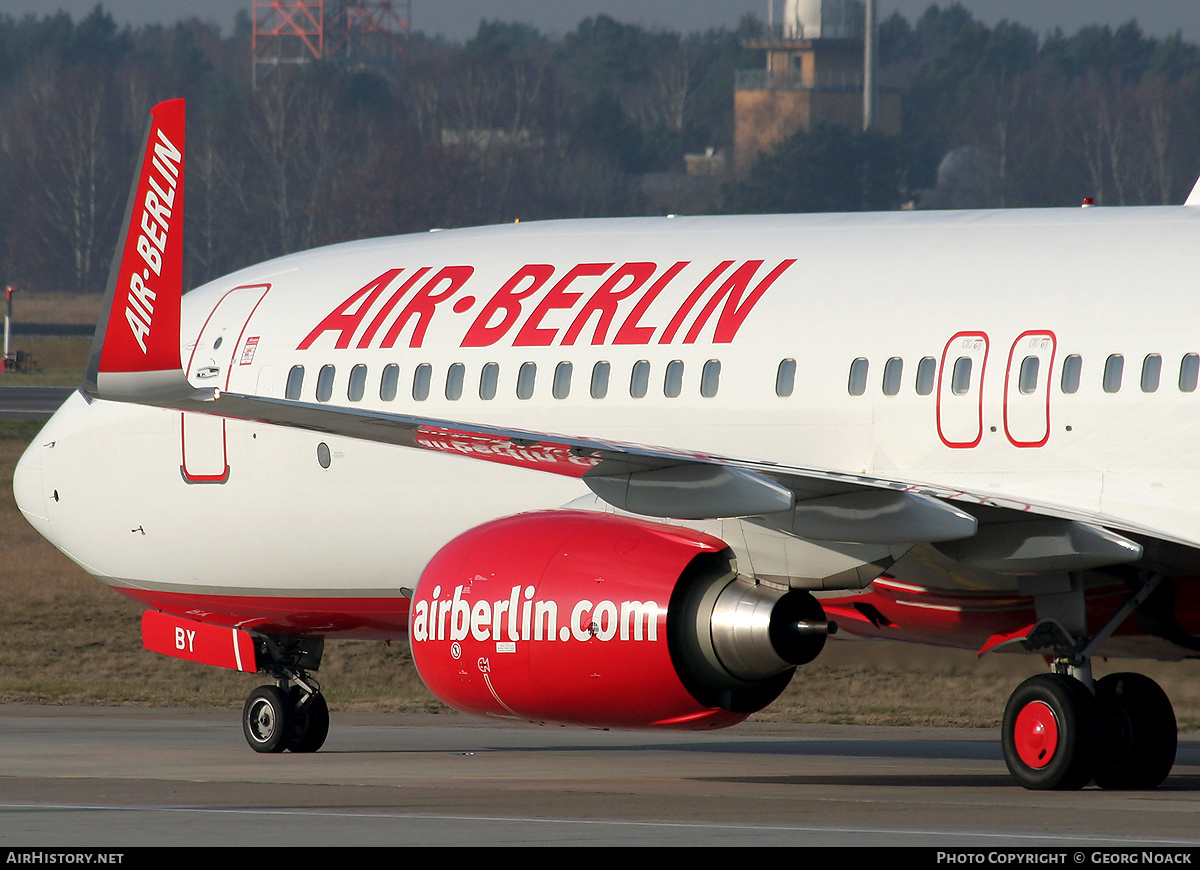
(813, 75)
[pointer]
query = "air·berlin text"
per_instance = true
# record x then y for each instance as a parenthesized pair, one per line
(158, 202)
(541, 305)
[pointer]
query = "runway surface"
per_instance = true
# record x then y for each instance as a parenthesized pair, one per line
(31, 403)
(132, 777)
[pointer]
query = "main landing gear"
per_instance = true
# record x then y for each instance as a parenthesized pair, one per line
(1062, 730)
(292, 714)
(1058, 735)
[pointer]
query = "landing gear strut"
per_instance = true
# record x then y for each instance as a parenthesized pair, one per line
(1062, 731)
(292, 714)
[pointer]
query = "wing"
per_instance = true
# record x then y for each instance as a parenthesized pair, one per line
(811, 503)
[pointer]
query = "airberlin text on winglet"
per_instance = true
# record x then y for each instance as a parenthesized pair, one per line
(157, 206)
(507, 316)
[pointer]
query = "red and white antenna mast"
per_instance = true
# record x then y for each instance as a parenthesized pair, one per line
(346, 31)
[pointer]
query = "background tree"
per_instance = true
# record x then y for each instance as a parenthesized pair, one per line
(516, 124)
(830, 169)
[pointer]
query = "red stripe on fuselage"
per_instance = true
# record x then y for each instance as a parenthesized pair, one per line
(374, 618)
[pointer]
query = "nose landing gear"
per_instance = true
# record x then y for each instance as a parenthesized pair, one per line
(295, 719)
(292, 714)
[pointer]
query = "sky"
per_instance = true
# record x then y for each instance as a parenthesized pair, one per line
(459, 19)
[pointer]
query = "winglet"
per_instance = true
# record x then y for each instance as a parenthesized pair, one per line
(1194, 196)
(135, 352)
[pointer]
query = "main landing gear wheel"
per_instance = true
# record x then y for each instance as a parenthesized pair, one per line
(1140, 735)
(1051, 733)
(267, 719)
(310, 725)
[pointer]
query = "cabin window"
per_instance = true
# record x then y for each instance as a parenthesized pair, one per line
(926, 371)
(455, 375)
(785, 378)
(1189, 368)
(710, 378)
(893, 371)
(295, 383)
(489, 379)
(673, 379)
(421, 379)
(960, 376)
(600, 379)
(1151, 373)
(325, 384)
(1072, 368)
(1028, 378)
(358, 383)
(562, 380)
(526, 378)
(858, 376)
(639, 379)
(389, 382)
(1114, 369)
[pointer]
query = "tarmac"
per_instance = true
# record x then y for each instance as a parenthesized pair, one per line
(127, 777)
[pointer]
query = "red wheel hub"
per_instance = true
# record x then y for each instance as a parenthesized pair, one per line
(1035, 734)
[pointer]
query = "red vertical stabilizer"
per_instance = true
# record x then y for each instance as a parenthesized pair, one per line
(135, 353)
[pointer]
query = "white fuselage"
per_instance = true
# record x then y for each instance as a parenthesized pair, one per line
(146, 499)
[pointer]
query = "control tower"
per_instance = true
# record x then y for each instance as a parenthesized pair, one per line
(814, 74)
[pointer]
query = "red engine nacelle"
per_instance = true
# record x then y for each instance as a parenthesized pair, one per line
(592, 619)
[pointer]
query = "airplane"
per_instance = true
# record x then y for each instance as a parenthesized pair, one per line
(634, 472)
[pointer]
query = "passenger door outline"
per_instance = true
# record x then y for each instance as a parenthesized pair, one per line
(960, 417)
(1027, 416)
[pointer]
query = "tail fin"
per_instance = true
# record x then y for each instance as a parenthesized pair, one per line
(135, 352)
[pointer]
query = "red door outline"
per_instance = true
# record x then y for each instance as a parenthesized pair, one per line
(1049, 373)
(957, 337)
(203, 428)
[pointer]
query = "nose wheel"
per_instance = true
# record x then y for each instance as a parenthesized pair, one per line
(267, 719)
(274, 720)
(310, 721)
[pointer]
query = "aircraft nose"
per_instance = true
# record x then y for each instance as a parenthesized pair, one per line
(27, 487)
